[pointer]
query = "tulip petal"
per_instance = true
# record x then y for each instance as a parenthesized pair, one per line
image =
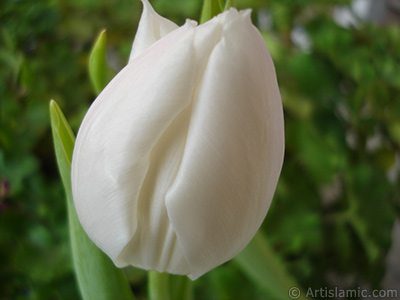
(128, 151)
(152, 27)
(112, 153)
(234, 150)
(177, 160)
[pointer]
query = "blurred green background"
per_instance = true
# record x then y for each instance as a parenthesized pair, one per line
(332, 221)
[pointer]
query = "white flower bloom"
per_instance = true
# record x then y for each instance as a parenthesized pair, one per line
(176, 162)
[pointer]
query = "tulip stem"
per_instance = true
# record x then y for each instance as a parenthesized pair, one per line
(158, 286)
(181, 287)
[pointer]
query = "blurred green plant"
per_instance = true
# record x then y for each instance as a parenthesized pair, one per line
(338, 196)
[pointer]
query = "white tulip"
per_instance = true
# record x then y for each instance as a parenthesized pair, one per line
(177, 160)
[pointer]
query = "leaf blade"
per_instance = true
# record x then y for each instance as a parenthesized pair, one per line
(262, 266)
(210, 9)
(97, 276)
(98, 70)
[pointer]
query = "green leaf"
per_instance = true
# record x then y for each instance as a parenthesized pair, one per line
(263, 266)
(98, 70)
(229, 4)
(366, 190)
(97, 276)
(210, 9)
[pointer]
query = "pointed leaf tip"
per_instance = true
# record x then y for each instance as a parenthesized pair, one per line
(98, 69)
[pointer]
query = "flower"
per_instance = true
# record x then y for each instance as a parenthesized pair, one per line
(177, 160)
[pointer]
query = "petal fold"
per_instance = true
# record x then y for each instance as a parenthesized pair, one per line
(177, 160)
(111, 167)
(234, 150)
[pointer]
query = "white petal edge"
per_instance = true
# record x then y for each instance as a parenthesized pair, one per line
(152, 27)
(234, 151)
(113, 233)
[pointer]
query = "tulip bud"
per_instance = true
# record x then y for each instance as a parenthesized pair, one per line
(177, 160)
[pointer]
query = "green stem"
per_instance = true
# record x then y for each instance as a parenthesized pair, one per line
(158, 286)
(181, 287)
(265, 269)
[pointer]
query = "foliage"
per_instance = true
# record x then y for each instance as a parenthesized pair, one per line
(337, 198)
